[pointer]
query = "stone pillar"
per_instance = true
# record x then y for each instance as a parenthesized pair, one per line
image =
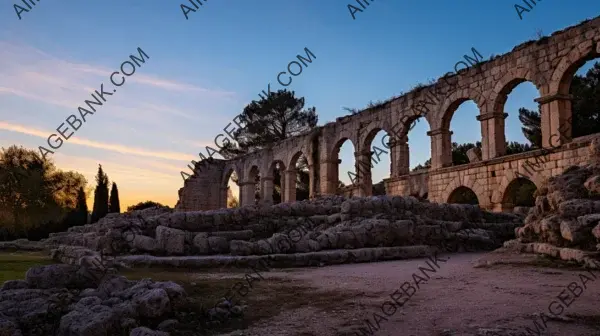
(247, 190)
(399, 156)
(329, 176)
(556, 119)
(311, 179)
(493, 139)
(267, 190)
(282, 185)
(290, 185)
(441, 148)
(223, 197)
(363, 173)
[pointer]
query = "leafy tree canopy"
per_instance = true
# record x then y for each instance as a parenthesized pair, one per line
(145, 205)
(33, 191)
(274, 118)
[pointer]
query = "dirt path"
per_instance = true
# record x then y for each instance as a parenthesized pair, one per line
(457, 300)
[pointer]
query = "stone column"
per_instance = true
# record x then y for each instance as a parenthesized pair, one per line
(399, 156)
(329, 176)
(282, 183)
(441, 148)
(311, 180)
(290, 185)
(493, 140)
(363, 173)
(556, 119)
(267, 190)
(246, 193)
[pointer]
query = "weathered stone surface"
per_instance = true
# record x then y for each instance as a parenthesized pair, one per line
(143, 331)
(93, 321)
(144, 243)
(170, 240)
(153, 303)
(53, 276)
(474, 154)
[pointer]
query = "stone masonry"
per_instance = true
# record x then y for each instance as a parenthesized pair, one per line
(549, 63)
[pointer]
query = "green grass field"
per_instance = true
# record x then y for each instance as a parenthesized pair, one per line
(13, 265)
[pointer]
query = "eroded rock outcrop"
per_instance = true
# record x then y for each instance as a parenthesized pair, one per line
(328, 223)
(565, 222)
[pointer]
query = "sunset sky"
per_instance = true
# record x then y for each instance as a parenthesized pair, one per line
(201, 72)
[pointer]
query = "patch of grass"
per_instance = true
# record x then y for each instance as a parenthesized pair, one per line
(13, 266)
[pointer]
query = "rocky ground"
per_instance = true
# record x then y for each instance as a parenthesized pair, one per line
(86, 295)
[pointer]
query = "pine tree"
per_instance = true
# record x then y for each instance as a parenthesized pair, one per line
(115, 205)
(531, 129)
(100, 196)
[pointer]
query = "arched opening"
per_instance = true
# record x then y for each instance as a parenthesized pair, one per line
(462, 116)
(379, 167)
(522, 122)
(301, 181)
(254, 176)
(277, 171)
(344, 171)
(584, 88)
(463, 195)
(519, 193)
(232, 193)
(419, 150)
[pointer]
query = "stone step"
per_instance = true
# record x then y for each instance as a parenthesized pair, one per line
(321, 258)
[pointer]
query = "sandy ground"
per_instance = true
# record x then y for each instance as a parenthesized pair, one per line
(458, 299)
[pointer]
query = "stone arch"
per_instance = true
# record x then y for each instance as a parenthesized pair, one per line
(341, 138)
(468, 183)
(452, 198)
(291, 165)
(561, 79)
(292, 172)
(451, 105)
(369, 134)
(270, 182)
(507, 83)
(510, 175)
(508, 199)
(230, 168)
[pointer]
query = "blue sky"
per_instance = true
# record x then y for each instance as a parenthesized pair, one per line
(202, 71)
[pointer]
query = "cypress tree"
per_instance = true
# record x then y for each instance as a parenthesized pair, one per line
(100, 196)
(81, 209)
(115, 205)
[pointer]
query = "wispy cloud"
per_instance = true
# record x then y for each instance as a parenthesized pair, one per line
(32, 74)
(100, 145)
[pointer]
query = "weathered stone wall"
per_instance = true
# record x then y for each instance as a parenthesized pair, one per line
(204, 191)
(549, 63)
(490, 180)
(414, 184)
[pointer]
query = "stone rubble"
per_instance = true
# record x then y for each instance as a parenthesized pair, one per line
(565, 222)
(324, 231)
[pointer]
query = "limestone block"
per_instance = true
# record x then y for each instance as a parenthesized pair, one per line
(144, 243)
(576, 207)
(237, 235)
(243, 248)
(571, 231)
(593, 184)
(170, 240)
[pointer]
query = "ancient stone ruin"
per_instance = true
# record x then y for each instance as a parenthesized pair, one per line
(548, 63)
(565, 222)
(84, 295)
